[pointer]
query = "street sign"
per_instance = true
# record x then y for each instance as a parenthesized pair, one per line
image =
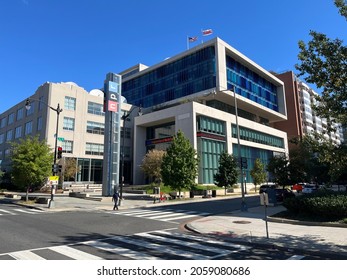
(53, 180)
(62, 139)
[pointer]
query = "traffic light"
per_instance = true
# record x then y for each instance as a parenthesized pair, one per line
(55, 168)
(244, 164)
(60, 152)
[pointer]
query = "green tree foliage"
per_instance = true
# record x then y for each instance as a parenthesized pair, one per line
(323, 62)
(31, 162)
(70, 169)
(258, 173)
(227, 173)
(180, 164)
(305, 163)
(278, 166)
(151, 165)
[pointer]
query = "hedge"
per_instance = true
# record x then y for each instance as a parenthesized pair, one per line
(326, 205)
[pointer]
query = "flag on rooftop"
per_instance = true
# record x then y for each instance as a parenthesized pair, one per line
(207, 32)
(192, 39)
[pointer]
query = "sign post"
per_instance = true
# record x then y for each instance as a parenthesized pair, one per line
(112, 108)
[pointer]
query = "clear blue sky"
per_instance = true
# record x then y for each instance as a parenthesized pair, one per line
(82, 40)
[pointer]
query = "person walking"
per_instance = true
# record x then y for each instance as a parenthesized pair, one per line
(115, 199)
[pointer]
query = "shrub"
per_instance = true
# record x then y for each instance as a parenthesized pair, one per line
(327, 205)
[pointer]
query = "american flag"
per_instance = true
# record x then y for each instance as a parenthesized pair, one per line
(207, 32)
(192, 39)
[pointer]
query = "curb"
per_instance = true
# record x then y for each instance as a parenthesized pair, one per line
(271, 245)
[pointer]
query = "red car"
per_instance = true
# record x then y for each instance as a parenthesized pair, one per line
(298, 187)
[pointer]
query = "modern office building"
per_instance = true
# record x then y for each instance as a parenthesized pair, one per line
(302, 119)
(205, 92)
(195, 92)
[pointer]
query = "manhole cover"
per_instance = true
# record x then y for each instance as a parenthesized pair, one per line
(241, 222)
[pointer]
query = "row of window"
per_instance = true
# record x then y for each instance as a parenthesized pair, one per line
(250, 85)
(258, 137)
(193, 73)
(19, 114)
(18, 132)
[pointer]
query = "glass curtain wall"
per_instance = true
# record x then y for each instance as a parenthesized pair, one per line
(211, 143)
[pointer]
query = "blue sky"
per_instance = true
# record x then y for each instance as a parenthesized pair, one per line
(83, 40)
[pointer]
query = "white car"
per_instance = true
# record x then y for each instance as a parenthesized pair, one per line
(309, 188)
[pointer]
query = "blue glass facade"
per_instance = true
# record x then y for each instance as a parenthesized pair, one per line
(250, 85)
(190, 74)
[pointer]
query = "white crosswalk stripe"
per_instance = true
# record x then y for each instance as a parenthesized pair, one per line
(20, 210)
(166, 215)
(153, 245)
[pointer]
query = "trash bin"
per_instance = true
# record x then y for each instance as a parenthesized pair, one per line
(214, 193)
(191, 194)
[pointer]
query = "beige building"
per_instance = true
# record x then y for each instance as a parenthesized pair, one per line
(80, 127)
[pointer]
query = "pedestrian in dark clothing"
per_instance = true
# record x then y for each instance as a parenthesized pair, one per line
(115, 199)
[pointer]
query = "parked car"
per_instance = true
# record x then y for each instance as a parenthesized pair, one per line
(280, 192)
(298, 187)
(264, 187)
(309, 188)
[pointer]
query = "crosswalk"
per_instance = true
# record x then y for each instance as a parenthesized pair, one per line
(161, 214)
(153, 245)
(20, 210)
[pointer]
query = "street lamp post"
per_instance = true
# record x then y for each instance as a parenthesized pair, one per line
(124, 118)
(243, 202)
(58, 110)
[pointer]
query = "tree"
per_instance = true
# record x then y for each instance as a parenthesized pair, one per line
(31, 162)
(323, 62)
(227, 173)
(70, 169)
(180, 164)
(278, 166)
(151, 164)
(258, 173)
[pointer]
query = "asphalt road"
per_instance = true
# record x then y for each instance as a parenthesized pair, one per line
(144, 233)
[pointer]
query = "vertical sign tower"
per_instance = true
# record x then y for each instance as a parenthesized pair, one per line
(112, 108)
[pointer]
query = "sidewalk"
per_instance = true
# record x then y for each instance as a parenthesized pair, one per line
(246, 227)
(250, 227)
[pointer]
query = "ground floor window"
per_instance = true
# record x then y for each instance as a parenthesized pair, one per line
(89, 170)
(209, 151)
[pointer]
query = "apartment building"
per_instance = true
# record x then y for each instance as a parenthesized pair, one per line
(302, 119)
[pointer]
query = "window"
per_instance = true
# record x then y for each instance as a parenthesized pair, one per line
(11, 118)
(127, 132)
(2, 138)
(3, 122)
(258, 137)
(19, 114)
(95, 128)
(9, 135)
(70, 103)
(18, 132)
(96, 109)
(94, 149)
(32, 107)
(69, 124)
(39, 123)
(67, 146)
(41, 103)
(28, 128)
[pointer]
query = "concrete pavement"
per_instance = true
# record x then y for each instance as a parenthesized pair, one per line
(247, 227)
